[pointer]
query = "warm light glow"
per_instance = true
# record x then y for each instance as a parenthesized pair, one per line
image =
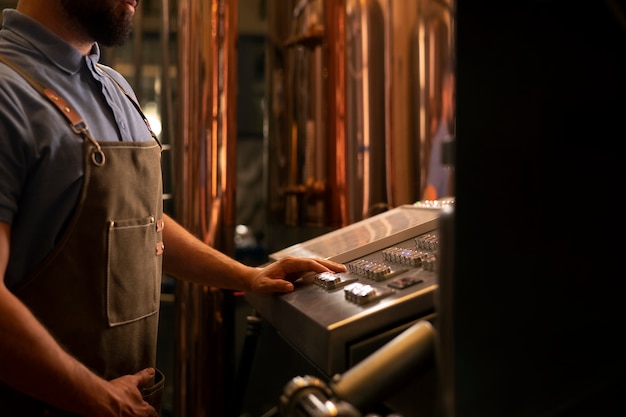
(151, 110)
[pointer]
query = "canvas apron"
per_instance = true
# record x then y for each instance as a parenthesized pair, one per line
(98, 291)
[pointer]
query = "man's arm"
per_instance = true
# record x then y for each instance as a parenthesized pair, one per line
(34, 363)
(187, 257)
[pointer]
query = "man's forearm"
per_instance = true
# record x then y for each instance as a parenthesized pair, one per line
(187, 257)
(34, 363)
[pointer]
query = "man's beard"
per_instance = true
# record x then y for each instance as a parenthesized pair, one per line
(100, 21)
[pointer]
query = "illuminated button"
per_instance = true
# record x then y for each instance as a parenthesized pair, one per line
(415, 260)
(427, 242)
(402, 283)
(366, 294)
(430, 263)
(327, 280)
(351, 291)
(380, 272)
(404, 256)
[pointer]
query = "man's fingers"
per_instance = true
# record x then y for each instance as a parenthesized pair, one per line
(292, 264)
(144, 376)
(334, 266)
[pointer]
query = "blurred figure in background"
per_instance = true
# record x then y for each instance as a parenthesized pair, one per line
(440, 178)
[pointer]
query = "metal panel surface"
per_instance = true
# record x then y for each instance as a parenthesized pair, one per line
(368, 235)
(322, 321)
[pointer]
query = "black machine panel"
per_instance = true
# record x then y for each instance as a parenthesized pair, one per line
(390, 282)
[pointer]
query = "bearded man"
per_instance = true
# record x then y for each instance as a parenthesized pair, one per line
(83, 237)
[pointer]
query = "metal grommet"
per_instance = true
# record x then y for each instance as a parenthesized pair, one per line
(98, 158)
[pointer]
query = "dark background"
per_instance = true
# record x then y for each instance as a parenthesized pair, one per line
(538, 301)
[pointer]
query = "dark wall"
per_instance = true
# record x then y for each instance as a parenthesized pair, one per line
(538, 282)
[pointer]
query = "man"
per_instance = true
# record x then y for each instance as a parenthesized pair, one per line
(83, 240)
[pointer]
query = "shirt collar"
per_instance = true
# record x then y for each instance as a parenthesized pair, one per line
(37, 36)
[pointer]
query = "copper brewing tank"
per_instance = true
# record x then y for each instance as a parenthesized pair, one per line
(205, 158)
(354, 89)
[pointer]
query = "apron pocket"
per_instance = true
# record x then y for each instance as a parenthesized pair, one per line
(133, 275)
(153, 394)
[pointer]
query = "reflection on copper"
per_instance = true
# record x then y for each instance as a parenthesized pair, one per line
(419, 53)
(301, 135)
(365, 99)
(365, 102)
(338, 206)
(313, 38)
(205, 163)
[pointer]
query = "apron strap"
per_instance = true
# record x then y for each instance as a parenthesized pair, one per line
(132, 100)
(79, 126)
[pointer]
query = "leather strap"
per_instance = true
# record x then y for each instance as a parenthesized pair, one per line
(76, 121)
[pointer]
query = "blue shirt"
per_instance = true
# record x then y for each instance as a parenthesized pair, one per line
(41, 160)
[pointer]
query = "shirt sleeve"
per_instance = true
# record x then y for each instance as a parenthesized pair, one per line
(14, 129)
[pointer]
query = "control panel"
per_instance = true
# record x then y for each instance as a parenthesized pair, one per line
(391, 262)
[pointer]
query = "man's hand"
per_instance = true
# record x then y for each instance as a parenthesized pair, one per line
(278, 277)
(127, 399)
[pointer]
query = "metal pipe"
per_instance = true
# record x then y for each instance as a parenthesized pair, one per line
(306, 178)
(389, 369)
(167, 111)
(365, 100)
(338, 204)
